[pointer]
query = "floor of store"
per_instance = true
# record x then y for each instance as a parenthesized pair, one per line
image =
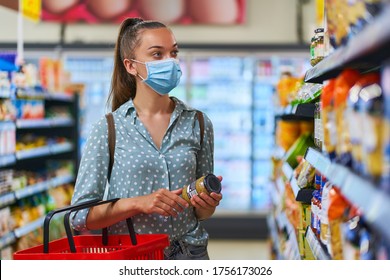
(220, 249)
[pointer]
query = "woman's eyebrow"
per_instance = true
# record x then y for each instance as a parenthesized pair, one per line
(161, 47)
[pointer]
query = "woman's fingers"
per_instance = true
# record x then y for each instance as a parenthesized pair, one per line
(169, 202)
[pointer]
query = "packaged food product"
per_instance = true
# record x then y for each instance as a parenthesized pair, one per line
(344, 82)
(336, 210)
(306, 176)
(328, 118)
(354, 119)
(317, 46)
(287, 88)
(314, 212)
(337, 22)
(298, 149)
(372, 111)
(287, 132)
(325, 234)
(205, 184)
(318, 129)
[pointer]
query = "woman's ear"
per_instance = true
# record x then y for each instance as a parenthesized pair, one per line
(129, 65)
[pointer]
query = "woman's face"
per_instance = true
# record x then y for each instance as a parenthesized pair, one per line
(155, 44)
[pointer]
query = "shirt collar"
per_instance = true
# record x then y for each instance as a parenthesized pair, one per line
(128, 107)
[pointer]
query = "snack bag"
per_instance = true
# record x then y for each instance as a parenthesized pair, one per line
(306, 176)
(372, 110)
(354, 119)
(343, 84)
(336, 210)
(328, 117)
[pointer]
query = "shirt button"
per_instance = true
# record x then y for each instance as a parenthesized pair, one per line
(162, 156)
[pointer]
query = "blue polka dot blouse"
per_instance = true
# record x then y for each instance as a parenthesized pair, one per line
(140, 168)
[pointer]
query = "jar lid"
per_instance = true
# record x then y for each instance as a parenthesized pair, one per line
(212, 183)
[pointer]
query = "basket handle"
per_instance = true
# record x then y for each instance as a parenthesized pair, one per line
(69, 234)
(70, 209)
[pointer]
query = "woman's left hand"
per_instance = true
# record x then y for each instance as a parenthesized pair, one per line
(205, 204)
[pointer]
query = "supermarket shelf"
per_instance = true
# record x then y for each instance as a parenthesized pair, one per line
(33, 153)
(7, 239)
(317, 248)
(19, 232)
(44, 123)
(40, 93)
(274, 234)
(59, 97)
(318, 160)
(301, 194)
(11, 197)
(7, 199)
(43, 186)
(5, 93)
(7, 124)
(6, 160)
(30, 92)
(287, 170)
(291, 248)
(374, 203)
(277, 192)
(44, 151)
(298, 112)
(363, 52)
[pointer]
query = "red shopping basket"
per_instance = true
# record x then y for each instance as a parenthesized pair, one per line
(95, 247)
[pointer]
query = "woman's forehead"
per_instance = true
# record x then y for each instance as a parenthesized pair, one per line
(160, 37)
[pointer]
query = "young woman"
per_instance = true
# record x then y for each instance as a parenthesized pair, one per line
(158, 149)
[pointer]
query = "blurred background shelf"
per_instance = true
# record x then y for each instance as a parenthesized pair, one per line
(373, 202)
(365, 51)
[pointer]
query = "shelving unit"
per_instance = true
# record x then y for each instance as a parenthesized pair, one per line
(374, 203)
(34, 159)
(364, 52)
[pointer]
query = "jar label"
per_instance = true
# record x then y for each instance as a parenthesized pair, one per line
(191, 190)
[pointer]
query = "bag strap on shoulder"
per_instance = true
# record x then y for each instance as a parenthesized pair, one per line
(199, 114)
(111, 141)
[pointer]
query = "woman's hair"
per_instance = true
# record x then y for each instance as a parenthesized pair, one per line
(123, 84)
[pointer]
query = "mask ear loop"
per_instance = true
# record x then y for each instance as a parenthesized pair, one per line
(137, 61)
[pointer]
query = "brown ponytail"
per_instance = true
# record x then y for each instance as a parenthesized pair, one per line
(123, 85)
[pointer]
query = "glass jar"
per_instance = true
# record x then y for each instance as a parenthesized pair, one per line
(205, 184)
(317, 49)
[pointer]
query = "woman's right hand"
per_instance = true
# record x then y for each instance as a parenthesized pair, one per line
(162, 202)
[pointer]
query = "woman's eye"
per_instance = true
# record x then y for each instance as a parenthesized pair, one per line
(175, 53)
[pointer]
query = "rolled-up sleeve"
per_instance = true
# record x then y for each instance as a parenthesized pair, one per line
(92, 173)
(205, 158)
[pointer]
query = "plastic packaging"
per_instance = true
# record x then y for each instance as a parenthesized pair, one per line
(328, 117)
(344, 82)
(372, 110)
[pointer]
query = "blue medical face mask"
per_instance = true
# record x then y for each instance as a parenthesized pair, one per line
(163, 75)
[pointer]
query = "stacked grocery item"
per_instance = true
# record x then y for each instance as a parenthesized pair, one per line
(26, 197)
(353, 117)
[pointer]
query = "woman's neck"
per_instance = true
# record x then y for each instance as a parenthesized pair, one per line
(151, 104)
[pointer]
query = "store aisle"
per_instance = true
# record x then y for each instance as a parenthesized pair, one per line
(239, 249)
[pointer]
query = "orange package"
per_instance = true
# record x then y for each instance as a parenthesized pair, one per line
(354, 117)
(336, 211)
(344, 82)
(328, 118)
